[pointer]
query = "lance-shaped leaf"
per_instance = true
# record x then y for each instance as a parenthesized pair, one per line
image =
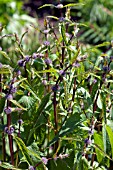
(72, 122)
(6, 165)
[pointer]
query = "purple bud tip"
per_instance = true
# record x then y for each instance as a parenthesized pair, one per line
(67, 35)
(48, 61)
(46, 31)
(94, 81)
(62, 72)
(34, 55)
(111, 58)
(55, 88)
(21, 63)
(106, 68)
(76, 64)
(44, 160)
(87, 141)
(46, 43)
(61, 19)
(27, 58)
(18, 73)
(44, 82)
(9, 97)
(13, 90)
(91, 132)
(31, 167)
(20, 121)
(8, 110)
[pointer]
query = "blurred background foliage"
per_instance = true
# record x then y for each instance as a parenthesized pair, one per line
(17, 16)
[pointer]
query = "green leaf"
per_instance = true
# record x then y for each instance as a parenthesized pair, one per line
(46, 5)
(73, 4)
(17, 104)
(23, 149)
(104, 137)
(2, 103)
(4, 54)
(51, 70)
(8, 166)
(102, 45)
(98, 141)
(110, 134)
(72, 122)
(53, 17)
(28, 87)
(99, 102)
(43, 104)
(83, 164)
(6, 69)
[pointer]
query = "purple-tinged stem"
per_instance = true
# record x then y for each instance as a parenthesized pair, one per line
(10, 136)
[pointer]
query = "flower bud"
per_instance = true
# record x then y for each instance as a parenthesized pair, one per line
(59, 6)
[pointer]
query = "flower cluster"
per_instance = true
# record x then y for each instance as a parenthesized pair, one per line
(48, 61)
(8, 110)
(9, 131)
(22, 62)
(61, 156)
(55, 88)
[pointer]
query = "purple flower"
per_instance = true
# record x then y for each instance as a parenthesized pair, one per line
(1, 65)
(8, 110)
(18, 73)
(34, 55)
(106, 68)
(94, 81)
(91, 132)
(31, 167)
(76, 64)
(87, 141)
(62, 156)
(13, 90)
(46, 43)
(55, 88)
(67, 35)
(9, 131)
(61, 19)
(62, 72)
(48, 61)
(111, 58)
(46, 31)
(21, 63)
(0, 48)
(27, 58)
(6, 130)
(9, 97)
(20, 121)
(44, 82)
(44, 160)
